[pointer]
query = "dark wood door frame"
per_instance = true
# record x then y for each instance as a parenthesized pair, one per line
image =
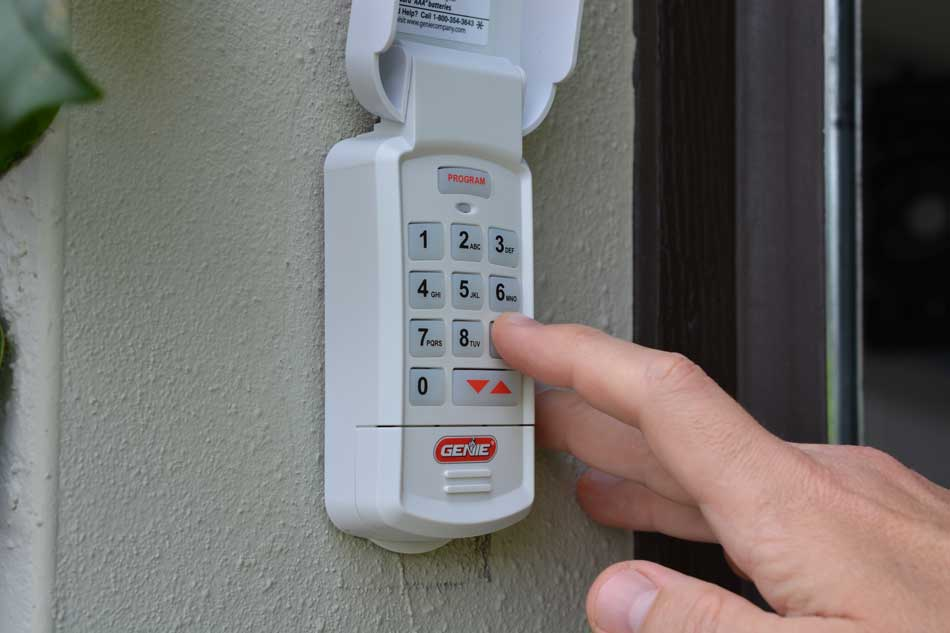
(729, 213)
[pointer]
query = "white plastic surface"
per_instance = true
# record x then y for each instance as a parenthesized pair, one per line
(410, 473)
(539, 37)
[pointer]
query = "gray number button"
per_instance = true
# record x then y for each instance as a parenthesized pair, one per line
(427, 339)
(491, 342)
(468, 291)
(467, 243)
(427, 291)
(426, 387)
(425, 241)
(504, 248)
(505, 294)
(468, 339)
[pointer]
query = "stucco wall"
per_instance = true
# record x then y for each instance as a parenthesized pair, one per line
(190, 487)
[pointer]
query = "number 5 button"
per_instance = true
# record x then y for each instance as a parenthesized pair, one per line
(468, 291)
(505, 294)
(503, 248)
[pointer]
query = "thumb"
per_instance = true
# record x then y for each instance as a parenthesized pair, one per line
(639, 597)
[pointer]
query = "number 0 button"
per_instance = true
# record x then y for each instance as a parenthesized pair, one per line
(503, 248)
(426, 387)
(425, 242)
(468, 291)
(505, 294)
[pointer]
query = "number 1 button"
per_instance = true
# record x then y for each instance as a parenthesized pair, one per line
(425, 242)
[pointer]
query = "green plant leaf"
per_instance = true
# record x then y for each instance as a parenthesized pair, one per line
(38, 73)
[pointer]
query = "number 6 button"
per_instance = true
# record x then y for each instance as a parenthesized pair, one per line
(505, 294)
(468, 291)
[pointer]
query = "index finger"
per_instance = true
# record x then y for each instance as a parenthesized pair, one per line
(704, 439)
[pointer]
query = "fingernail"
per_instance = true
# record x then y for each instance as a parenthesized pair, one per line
(623, 603)
(601, 478)
(517, 319)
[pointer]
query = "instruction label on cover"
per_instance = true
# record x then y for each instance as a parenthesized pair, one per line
(463, 21)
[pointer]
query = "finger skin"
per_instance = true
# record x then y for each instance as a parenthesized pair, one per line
(565, 422)
(687, 604)
(631, 506)
(701, 436)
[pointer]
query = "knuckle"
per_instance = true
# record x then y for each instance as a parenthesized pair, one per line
(673, 373)
(704, 615)
(877, 458)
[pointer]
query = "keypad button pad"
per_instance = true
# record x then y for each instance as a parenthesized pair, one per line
(504, 248)
(468, 291)
(491, 341)
(425, 241)
(505, 294)
(427, 338)
(467, 243)
(486, 388)
(449, 277)
(468, 339)
(426, 387)
(426, 290)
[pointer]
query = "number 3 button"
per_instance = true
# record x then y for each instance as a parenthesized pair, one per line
(503, 248)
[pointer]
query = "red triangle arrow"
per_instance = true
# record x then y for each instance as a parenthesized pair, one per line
(478, 385)
(501, 389)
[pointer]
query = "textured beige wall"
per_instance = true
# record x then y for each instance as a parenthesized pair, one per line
(191, 467)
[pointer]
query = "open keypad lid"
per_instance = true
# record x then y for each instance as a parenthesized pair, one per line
(538, 36)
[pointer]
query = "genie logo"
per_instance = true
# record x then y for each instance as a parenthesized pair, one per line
(466, 450)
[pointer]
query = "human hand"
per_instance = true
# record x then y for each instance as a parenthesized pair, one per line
(836, 539)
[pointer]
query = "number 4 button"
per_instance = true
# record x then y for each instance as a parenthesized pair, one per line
(427, 291)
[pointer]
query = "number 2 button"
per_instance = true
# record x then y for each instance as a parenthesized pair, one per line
(466, 243)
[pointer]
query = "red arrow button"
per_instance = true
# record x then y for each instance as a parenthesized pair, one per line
(501, 389)
(478, 385)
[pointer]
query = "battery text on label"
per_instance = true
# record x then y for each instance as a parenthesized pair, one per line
(464, 21)
(474, 450)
